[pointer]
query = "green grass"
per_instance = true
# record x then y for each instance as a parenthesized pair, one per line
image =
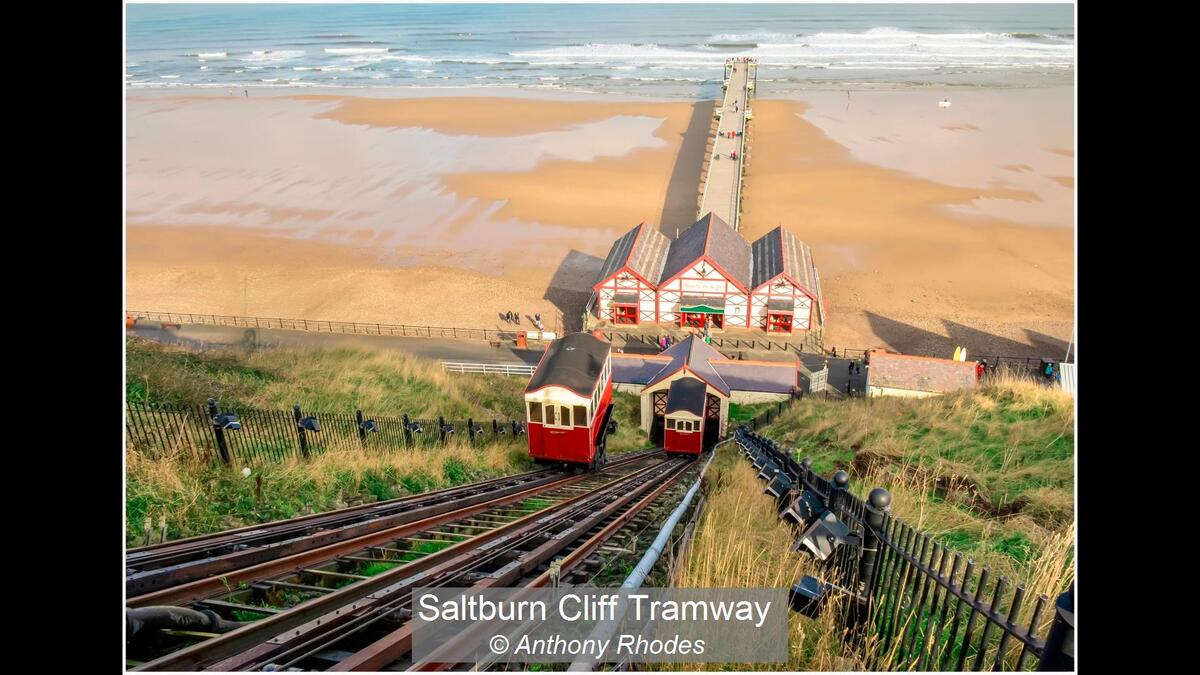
(746, 411)
(989, 472)
(381, 382)
(629, 436)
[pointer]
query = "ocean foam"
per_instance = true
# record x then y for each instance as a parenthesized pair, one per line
(356, 50)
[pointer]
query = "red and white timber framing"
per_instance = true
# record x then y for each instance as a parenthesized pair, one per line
(625, 281)
(703, 279)
(783, 287)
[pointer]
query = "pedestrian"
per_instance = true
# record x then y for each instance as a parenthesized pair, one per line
(858, 367)
(979, 367)
(851, 367)
(537, 320)
(508, 317)
(517, 318)
(247, 92)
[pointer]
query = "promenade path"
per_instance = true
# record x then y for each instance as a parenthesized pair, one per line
(722, 184)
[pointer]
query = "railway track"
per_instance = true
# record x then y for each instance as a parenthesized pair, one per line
(161, 566)
(344, 606)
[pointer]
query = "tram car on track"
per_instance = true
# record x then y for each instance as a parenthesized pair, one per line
(684, 433)
(568, 402)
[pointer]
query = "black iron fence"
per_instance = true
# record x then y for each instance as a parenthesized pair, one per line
(245, 435)
(346, 327)
(1030, 363)
(910, 601)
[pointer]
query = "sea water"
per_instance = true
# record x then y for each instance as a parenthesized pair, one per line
(662, 51)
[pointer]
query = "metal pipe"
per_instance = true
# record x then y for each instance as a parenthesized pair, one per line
(637, 577)
(177, 618)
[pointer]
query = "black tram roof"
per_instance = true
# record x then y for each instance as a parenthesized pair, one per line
(573, 362)
(686, 394)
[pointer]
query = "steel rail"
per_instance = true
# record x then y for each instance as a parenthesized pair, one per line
(342, 601)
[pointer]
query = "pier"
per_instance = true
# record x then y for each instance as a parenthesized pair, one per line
(721, 193)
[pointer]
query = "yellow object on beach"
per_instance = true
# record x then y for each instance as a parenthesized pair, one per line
(957, 351)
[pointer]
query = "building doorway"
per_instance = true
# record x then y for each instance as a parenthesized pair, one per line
(779, 323)
(712, 420)
(658, 415)
(697, 319)
(625, 314)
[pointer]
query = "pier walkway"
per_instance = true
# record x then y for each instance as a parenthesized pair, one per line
(723, 181)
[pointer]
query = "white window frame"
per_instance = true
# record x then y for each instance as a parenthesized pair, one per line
(558, 417)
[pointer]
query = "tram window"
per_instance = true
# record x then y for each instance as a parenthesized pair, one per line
(670, 423)
(535, 412)
(558, 415)
(580, 416)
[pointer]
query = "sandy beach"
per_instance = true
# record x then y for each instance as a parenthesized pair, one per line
(927, 228)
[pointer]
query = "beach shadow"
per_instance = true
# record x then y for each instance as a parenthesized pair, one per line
(679, 207)
(1048, 345)
(569, 290)
(908, 339)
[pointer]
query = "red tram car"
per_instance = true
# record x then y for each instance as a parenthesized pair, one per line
(568, 402)
(684, 433)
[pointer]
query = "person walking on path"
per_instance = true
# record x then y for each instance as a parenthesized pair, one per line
(858, 367)
(834, 350)
(517, 318)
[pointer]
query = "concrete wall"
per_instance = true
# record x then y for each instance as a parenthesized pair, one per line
(741, 397)
(905, 393)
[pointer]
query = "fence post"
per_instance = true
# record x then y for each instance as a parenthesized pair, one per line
(408, 439)
(514, 427)
(841, 482)
(300, 430)
(442, 429)
(879, 503)
(222, 447)
(362, 433)
(495, 427)
(471, 431)
(1059, 652)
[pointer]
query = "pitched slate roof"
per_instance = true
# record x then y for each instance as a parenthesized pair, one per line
(725, 375)
(773, 378)
(637, 368)
(919, 373)
(710, 236)
(697, 356)
(780, 252)
(642, 249)
(686, 394)
(573, 362)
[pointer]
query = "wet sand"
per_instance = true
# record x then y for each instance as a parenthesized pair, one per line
(450, 211)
